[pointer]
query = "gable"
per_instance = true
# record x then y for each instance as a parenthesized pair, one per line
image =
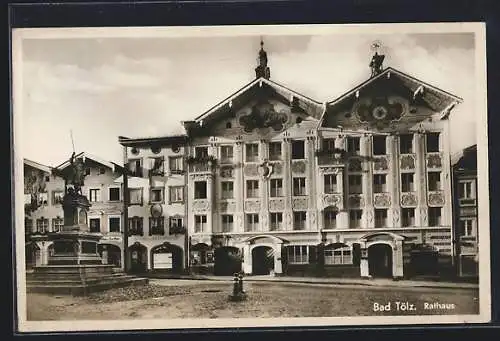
(261, 105)
(391, 101)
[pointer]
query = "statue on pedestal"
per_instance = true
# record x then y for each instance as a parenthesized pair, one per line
(77, 174)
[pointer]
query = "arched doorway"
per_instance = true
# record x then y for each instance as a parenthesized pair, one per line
(380, 260)
(262, 260)
(114, 254)
(138, 258)
(423, 260)
(227, 261)
(32, 253)
(166, 257)
(202, 258)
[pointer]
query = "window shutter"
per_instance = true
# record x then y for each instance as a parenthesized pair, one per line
(312, 254)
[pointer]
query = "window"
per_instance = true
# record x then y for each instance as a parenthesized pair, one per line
(135, 226)
(338, 256)
(330, 181)
(434, 181)
(157, 166)
(176, 164)
(114, 194)
(353, 145)
(299, 221)
(114, 224)
(156, 226)
(379, 147)
(275, 151)
(380, 218)
(175, 222)
(355, 219)
(228, 125)
(252, 222)
(276, 188)
(330, 219)
(57, 224)
(227, 190)
(379, 183)
(42, 225)
(135, 196)
(299, 186)
(227, 223)
(466, 228)
(432, 142)
(226, 154)
(95, 225)
(200, 189)
(252, 152)
(200, 223)
(298, 254)
(407, 184)
(355, 186)
(329, 145)
(406, 144)
(57, 197)
(298, 150)
(135, 167)
(201, 152)
(408, 218)
(47, 178)
(176, 194)
(87, 171)
(95, 195)
(465, 190)
(102, 170)
(28, 225)
(156, 195)
(252, 188)
(276, 221)
(43, 198)
(434, 216)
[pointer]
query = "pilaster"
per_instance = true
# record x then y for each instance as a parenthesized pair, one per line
(287, 185)
(367, 182)
(313, 206)
(239, 187)
(393, 181)
(420, 181)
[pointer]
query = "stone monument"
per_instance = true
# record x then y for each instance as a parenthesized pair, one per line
(75, 266)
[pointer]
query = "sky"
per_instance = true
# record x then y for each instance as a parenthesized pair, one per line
(102, 88)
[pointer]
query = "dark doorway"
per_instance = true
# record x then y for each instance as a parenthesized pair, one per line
(114, 254)
(424, 260)
(262, 260)
(227, 261)
(380, 260)
(138, 258)
(31, 252)
(166, 257)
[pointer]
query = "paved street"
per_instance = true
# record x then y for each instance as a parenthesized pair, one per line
(171, 298)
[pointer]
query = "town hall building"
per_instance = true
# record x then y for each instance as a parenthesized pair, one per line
(275, 182)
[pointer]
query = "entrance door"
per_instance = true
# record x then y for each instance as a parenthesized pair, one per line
(380, 260)
(262, 260)
(138, 258)
(227, 261)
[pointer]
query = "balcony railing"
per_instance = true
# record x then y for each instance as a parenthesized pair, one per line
(177, 230)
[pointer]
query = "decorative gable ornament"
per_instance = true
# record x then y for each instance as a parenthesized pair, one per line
(265, 169)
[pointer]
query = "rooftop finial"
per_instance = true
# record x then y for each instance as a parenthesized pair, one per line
(377, 59)
(262, 70)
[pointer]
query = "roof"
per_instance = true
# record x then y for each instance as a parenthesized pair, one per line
(37, 165)
(159, 140)
(281, 90)
(412, 84)
(83, 155)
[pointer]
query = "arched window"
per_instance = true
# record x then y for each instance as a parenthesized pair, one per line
(338, 254)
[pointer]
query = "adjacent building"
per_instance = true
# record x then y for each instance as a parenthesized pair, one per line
(156, 205)
(275, 182)
(44, 190)
(466, 214)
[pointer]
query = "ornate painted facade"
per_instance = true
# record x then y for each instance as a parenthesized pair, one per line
(280, 183)
(44, 191)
